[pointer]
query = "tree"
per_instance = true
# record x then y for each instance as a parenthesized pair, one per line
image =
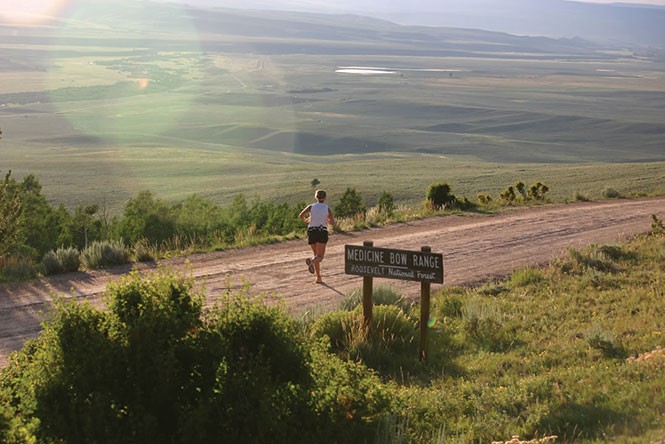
(386, 204)
(86, 225)
(484, 198)
(41, 226)
(520, 187)
(315, 182)
(146, 217)
(10, 210)
(350, 204)
(538, 190)
(508, 195)
(439, 196)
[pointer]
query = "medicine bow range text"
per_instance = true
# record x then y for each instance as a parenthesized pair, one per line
(393, 264)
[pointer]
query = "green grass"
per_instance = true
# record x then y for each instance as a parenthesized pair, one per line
(553, 353)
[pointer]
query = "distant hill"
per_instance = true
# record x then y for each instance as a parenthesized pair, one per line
(161, 24)
(641, 25)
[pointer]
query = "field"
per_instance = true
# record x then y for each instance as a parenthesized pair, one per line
(99, 114)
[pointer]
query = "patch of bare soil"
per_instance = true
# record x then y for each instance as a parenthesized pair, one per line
(475, 248)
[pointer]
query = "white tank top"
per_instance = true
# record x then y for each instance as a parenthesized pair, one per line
(318, 215)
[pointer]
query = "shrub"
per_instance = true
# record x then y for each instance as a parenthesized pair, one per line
(610, 193)
(350, 401)
(484, 325)
(350, 204)
(526, 276)
(484, 198)
(452, 307)
(153, 369)
(657, 227)
(62, 260)
(16, 268)
(579, 197)
(508, 195)
(105, 254)
(439, 196)
(386, 204)
(537, 191)
(144, 251)
(590, 259)
(389, 342)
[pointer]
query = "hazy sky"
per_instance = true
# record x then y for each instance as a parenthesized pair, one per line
(643, 2)
(22, 9)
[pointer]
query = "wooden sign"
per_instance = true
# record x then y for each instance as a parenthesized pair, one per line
(423, 266)
(393, 264)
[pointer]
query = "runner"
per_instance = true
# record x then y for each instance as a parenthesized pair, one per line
(317, 216)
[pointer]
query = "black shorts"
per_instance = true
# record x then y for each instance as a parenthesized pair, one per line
(317, 235)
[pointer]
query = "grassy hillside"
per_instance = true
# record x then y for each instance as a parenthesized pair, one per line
(570, 353)
(108, 101)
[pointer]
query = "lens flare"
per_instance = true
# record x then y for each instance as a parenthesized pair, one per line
(31, 11)
(431, 322)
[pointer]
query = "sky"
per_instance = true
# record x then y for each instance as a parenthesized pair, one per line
(31, 10)
(642, 2)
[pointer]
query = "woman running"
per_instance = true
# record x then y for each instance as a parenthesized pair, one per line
(317, 216)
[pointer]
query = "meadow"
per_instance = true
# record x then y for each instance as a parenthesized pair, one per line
(99, 117)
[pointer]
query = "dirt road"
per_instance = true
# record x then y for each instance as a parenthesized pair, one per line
(474, 248)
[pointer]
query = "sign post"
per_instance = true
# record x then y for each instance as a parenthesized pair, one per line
(424, 314)
(422, 266)
(368, 290)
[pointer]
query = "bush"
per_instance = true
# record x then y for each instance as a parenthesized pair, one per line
(579, 197)
(350, 204)
(154, 369)
(144, 251)
(350, 401)
(526, 276)
(62, 260)
(16, 268)
(484, 325)
(657, 227)
(439, 196)
(610, 193)
(484, 198)
(386, 204)
(389, 343)
(105, 254)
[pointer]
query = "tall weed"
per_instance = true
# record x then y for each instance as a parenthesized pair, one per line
(16, 268)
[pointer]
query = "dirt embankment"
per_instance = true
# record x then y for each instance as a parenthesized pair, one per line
(474, 248)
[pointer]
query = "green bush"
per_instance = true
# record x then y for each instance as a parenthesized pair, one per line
(16, 268)
(525, 276)
(351, 402)
(105, 254)
(610, 193)
(484, 325)
(350, 204)
(579, 197)
(153, 368)
(62, 260)
(439, 196)
(389, 342)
